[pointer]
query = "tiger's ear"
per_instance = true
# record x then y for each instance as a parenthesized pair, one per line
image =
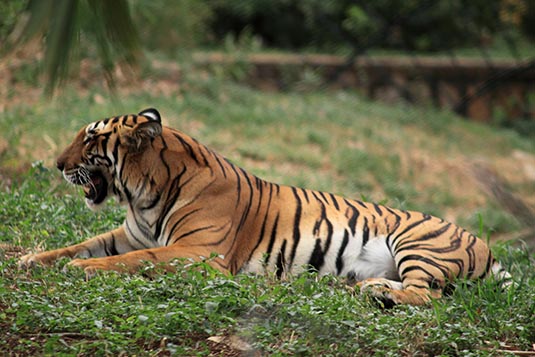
(142, 134)
(151, 113)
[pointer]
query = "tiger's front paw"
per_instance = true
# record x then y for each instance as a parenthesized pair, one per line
(33, 259)
(382, 290)
(92, 265)
(379, 284)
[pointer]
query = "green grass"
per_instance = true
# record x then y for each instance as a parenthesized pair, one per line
(334, 141)
(49, 311)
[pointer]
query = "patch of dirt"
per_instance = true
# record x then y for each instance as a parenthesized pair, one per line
(21, 83)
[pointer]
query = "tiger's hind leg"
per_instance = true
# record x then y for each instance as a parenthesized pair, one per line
(390, 292)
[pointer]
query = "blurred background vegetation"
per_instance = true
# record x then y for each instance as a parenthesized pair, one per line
(334, 26)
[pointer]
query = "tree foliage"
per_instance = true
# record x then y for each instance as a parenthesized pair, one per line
(63, 24)
(110, 28)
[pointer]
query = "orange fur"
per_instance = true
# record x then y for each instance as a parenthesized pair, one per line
(185, 201)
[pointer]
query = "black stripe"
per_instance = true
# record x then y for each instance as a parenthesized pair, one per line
(272, 239)
(296, 231)
(152, 256)
(377, 209)
(263, 229)
(162, 152)
(258, 183)
(193, 231)
(115, 151)
(490, 261)
(362, 204)
(218, 160)
(365, 232)
(392, 230)
(89, 254)
(278, 188)
(107, 250)
(430, 247)
(305, 194)
(221, 240)
(248, 203)
(144, 230)
(430, 277)
(459, 262)
(187, 146)
(281, 260)
(323, 196)
(260, 237)
(420, 259)
(206, 163)
(104, 143)
(329, 234)
(335, 202)
(316, 197)
(339, 259)
(317, 258)
(238, 185)
(127, 226)
(418, 286)
(428, 236)
(436, 233)
(152, 203)
(178, 222)
(471, 254)
(260, 189)
(170, 200)
(113, 250)
(352, 223)
(101, 160)
(411, 226)
(317, 225)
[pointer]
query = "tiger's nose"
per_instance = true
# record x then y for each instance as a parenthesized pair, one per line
(60, 165)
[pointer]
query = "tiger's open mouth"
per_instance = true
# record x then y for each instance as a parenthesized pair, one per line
(93, 182)
(96, 187)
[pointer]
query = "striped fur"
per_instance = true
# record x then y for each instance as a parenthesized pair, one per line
(185, 201)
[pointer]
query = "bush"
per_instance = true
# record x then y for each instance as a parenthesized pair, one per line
(422, 24)
(169, 25)
(410, 25)
(9, 11)
(282, 23)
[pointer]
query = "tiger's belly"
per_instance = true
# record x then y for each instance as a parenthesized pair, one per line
(373, 261)
(351, 259)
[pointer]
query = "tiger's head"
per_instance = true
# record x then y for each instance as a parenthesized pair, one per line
(95, 158)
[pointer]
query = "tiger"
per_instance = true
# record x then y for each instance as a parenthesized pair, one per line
(185, 201)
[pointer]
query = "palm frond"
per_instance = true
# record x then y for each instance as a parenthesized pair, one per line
(61, 22)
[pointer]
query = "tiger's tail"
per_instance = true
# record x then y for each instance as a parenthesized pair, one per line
(501, 275)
